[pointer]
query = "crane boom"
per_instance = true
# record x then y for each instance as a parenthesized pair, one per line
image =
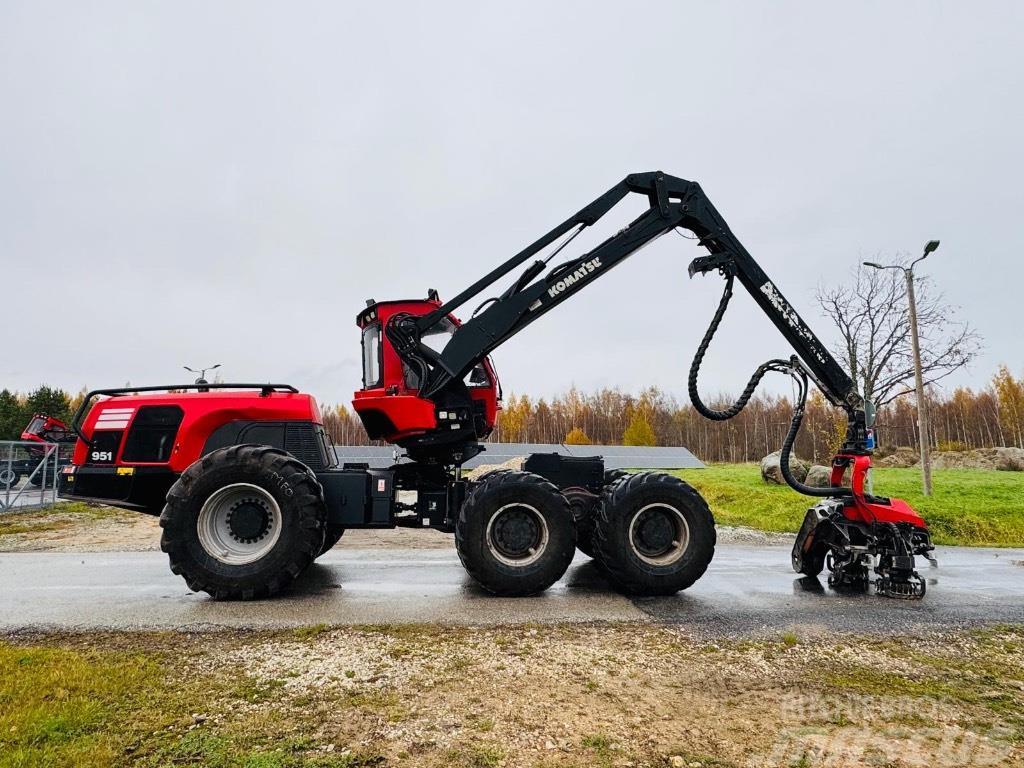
(673, 202)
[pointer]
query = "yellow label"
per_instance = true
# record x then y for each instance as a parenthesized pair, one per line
(126, 470)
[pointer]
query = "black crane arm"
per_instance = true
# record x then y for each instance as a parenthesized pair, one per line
(674, 202)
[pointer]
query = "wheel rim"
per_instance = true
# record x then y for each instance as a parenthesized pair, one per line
(6, 476)
(517, 535)
(239, 524)
(659, 534)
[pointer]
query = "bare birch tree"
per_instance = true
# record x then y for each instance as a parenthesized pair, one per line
(873, 320)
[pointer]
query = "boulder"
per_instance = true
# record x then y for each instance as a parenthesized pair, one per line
(819, 476)
(771, 468)
(1010, 459)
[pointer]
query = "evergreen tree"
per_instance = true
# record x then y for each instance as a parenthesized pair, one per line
(12, 420)
(50, 401)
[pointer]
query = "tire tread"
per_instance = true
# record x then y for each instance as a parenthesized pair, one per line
(307, 502)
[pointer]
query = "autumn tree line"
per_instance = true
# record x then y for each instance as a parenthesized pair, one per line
(966, 418)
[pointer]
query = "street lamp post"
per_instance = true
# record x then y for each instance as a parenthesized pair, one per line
(922, 405)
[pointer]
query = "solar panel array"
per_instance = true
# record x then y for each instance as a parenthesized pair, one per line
(615, 456)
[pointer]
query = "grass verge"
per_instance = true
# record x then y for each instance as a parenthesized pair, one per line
(969, 507)
(56, 518)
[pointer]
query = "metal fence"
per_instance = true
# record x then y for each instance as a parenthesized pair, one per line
(28, 473)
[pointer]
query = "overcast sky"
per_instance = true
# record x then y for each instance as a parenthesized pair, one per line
(193, 182)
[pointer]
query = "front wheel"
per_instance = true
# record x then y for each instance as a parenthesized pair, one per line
(655, 534)
(515, 533)
(332, 535)
(243, 522)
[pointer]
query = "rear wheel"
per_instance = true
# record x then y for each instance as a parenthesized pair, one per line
(611, 476)
(515, 533)
(655, 534)
(243, 522)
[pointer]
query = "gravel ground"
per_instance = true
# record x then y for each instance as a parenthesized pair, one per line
(652, 696)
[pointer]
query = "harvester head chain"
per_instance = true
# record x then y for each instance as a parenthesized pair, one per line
(849, 575)
(909, 588)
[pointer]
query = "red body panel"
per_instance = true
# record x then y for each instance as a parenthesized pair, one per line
(863, 510)
(407, 413)
(203, 413)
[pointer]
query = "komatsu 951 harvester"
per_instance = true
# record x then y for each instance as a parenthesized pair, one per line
(249, 490)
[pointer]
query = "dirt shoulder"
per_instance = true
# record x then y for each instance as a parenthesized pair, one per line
(77, 527)
(599, 695)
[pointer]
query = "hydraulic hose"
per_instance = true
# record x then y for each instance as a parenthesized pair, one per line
(698, 358)
(787, 448)
(792, 367)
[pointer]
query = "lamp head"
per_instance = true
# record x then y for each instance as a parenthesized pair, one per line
(930, 246)
(873, 265)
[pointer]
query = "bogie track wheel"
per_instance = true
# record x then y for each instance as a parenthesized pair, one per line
(655, 534)
(515, 533)
(583, 505)
(585, 508)
(243, 522)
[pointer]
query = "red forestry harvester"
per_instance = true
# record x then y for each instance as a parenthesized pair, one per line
(44, 431)
(249, 490)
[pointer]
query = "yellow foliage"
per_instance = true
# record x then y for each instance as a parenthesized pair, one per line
(577, 436)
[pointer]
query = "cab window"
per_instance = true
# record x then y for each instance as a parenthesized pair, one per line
(36, 427)
(371, 355)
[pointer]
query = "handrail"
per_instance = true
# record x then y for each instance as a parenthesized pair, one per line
(76, 425)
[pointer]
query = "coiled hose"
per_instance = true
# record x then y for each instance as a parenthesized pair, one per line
(791, 367)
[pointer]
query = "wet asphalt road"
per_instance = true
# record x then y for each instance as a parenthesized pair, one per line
(747, 591)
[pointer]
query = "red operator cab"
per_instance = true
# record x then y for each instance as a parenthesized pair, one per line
(389, 404)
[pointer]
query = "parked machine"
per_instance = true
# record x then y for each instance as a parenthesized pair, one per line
(46, 431)
(249, 491)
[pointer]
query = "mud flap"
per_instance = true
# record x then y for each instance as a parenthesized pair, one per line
(804, 546)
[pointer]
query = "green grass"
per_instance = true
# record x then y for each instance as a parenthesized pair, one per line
(970, 507)
(57, 707)
(68, 706)
(55, 518)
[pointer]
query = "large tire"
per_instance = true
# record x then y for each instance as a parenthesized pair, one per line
(655, 534)
(515, 534)
(611, 476)
(332, 535)
(243, 522)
